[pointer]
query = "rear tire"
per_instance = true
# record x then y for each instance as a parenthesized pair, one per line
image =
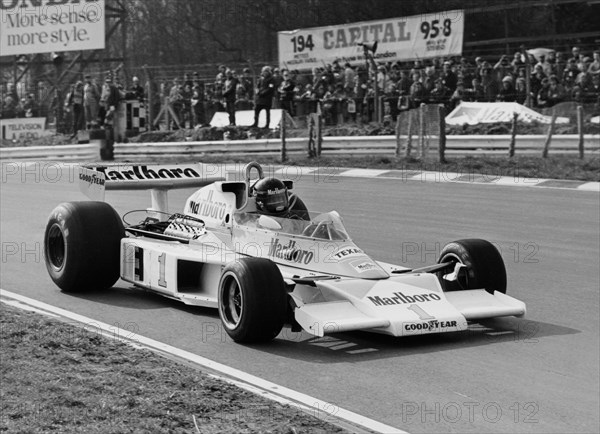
(252, 300)
(485, 267)
(82, 246)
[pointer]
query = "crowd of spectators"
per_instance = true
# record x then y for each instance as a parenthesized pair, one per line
(346, 92)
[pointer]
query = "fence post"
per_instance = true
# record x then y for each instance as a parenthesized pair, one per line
(397, 151)
(282, 133)
(513, 136)
(311, 135)
(580, 129)
(549, 135)
(422, 130)
(442, 137)
(319, 129)
(409, 133)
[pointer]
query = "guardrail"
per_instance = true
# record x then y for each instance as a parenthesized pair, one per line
(354, 145)
(59, 153)
(363, 145)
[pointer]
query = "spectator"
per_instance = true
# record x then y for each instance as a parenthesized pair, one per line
(404, 83)
(75, 103)
(247, 84)
(277, 79)
(286, 92)
(197, 102)
(176, 103)
(502, 68)
(507, 91)
(349, 75)
(219, 83)
(543, 95)
(187, 117)
(109, 99)
(520, 91)
(91, 101)
(549, 64)
(138, 90)
(457, 96)
(476, 91)
(594, 67)
(9, 107)
(449, 77)
(29, 107)
(264, 95)
(536, 82)
(229, 94)
(556, 93)
(418, 95)
(560, 65)
(490, 89)
(576, 57)
(440, 94)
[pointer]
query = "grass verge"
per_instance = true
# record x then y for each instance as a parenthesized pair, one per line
(57, 377)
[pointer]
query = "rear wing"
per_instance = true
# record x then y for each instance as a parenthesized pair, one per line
(158, 178)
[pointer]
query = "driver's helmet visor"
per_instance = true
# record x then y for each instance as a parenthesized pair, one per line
(273, 200)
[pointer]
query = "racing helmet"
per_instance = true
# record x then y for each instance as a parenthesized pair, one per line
(271, 196)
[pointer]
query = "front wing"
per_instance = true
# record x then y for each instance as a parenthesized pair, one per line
(404, 305)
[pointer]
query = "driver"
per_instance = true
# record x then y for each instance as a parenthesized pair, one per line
(273, 198)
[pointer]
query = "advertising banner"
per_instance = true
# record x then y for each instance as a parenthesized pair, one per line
(405, 38)
(23, 129)
(473, 113)
(44, 26)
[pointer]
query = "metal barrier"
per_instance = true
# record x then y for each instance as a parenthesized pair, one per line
(89, 152)
(347, 146)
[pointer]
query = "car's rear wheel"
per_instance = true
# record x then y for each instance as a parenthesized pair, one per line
(82, 246)
(484, 267)
(252, 300)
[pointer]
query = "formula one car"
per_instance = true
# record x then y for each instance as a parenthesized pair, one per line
(252, 249)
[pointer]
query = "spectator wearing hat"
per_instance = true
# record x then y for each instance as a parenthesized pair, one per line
(265, 89)
(91, 101)
(229, 94)
(507, 91)
(109, 98)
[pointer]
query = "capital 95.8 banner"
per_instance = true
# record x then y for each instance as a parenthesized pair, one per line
(398, 39)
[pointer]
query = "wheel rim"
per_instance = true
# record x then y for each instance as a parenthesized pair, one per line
(56, 247)
(462, 280)
(232, 303)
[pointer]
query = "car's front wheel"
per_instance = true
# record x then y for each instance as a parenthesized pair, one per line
(252, 300)
(82, 246)
(483, 266)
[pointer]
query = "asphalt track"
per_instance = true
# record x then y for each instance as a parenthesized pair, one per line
(536, 374)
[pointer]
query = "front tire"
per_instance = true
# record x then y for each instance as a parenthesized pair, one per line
(82, 246)
(484, 266)
(252, 300)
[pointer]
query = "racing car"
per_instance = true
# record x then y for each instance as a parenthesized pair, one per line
(247, 245)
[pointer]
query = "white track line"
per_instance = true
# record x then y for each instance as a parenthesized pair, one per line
(267, 389)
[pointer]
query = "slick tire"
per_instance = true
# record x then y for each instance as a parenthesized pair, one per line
(82, 246)
(252, 300)
(485, 267)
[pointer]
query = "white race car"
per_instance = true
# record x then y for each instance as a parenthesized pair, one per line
(250, 248)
